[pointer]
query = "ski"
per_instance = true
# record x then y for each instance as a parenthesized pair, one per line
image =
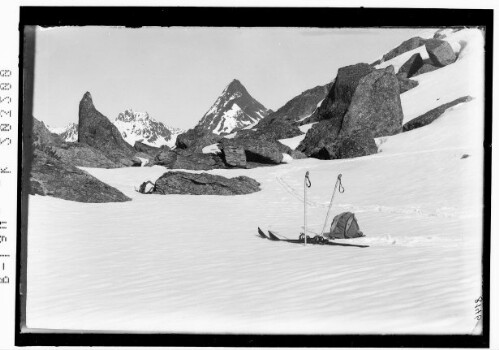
(262, 234)
(310, 240)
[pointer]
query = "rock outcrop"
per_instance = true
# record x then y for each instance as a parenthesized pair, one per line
(78, 154)
(204, 184)
(52, 177)
(97, 131)
(68, 152)
(440, 52)
(430, 116)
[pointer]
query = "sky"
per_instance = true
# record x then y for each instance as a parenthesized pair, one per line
(176, 73)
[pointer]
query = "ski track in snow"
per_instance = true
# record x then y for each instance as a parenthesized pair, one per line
(181, 263)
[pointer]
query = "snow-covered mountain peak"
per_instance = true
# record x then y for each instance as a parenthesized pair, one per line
(139, 126)
(130, 115)
(233, 110)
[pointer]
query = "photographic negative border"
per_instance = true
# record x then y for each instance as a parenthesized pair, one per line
(135, 17)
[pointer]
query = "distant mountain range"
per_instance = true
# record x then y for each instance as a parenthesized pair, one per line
(133, 126)
(233, 110)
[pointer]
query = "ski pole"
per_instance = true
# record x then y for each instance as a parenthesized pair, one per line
(341, 190)
(306, 185)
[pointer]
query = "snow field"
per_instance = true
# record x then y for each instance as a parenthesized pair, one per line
(180, 263)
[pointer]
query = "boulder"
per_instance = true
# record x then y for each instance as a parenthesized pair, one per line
(433, 114)
(358, 144)
(50, 176)
(196, 139)
(440, 52)
(321, 134)
(258, 150)
(406, 84)
(185, 159)
(97, 131)
(297, 154)
(425, 68)
(408, 45)
(375, 105)
(204, 184)
(338, 99)
(411, 66)
(234, 156)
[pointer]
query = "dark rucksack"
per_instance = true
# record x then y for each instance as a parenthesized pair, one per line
(344, 225)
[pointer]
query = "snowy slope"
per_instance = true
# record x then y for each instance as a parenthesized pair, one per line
(233, 110)
(195, 263)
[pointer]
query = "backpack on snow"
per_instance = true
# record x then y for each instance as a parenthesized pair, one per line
(344, 225)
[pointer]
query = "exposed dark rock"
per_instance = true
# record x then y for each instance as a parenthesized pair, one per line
(297, 154)
(79, 154)
(151, 150)
(185, 159)
(69, 152)
(53, 177)
(440, 52)
(408, 45)
(274, 129)
(320, 135)
(204, 184)
(358, 144)
(406, 84)
(97, 131)
(41, 136)
(411, 66)
(196, 139)
(234, 156)
(375, 63)
(258, 150)
(433, 114)
(426, 68)
(375, 105)
(338, 99)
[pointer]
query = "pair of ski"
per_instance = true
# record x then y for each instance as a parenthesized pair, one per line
(273, 237)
